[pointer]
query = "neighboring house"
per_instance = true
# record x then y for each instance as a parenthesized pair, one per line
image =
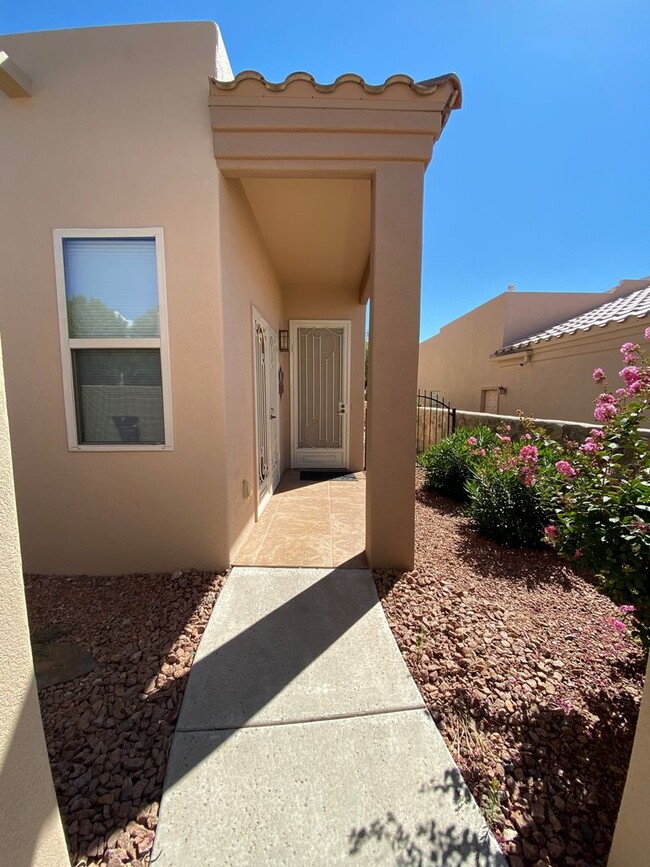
(162, 225)
(535, 351)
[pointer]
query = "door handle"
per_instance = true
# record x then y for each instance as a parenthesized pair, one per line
(273, 416)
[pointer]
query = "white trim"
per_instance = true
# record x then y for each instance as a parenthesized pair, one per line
(67, 343)
(260, 505)
(319, 455)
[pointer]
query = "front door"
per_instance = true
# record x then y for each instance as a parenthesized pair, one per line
(320, 384)
(267, 405)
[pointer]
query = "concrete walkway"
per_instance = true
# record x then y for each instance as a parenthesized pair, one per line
(303, 740)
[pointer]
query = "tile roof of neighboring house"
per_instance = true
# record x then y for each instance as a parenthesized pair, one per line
(635, 304)
(424, 88)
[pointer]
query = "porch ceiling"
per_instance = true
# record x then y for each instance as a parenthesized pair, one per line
(317, 231)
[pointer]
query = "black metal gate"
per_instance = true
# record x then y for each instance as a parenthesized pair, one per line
(436, 419)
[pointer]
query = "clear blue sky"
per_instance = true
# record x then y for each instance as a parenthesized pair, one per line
(542, 179)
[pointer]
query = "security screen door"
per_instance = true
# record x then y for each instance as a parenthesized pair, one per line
(267, 406)
(320, 375)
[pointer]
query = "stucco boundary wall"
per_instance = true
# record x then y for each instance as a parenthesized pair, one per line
(556, 429)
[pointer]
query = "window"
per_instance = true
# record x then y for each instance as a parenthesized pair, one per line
(113, 323)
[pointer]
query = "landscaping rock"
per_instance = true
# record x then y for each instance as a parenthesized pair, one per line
(108, 734)
(527, 680)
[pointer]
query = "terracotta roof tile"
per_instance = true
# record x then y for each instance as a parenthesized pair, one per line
(635, 304)
(424, 88)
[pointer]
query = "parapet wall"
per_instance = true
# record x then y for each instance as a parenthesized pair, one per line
(557, 429)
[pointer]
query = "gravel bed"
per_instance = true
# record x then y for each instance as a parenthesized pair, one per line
(534, 691)
(108, 733)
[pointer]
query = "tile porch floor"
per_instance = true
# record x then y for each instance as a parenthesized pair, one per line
(310, 524)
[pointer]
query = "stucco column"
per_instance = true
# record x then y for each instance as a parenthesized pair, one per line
(33, 835)
(631, 843)
(393, 364)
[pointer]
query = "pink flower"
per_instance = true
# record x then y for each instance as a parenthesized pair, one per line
(628, 351)
(565, 469)
(618, 625)
(597, 433)
(606, 408)
(503, 439)
(630, 374)
(472, 441)
(577, 553)
(627, 609)
(646, 334)
(529, 454)
(527, 437)
(551, 531)
(598, 375)
(589, 447)
(481, 452)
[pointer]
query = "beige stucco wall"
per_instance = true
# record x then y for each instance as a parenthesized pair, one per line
(248, 280)
(32, 832)
(631, 843)
(555, 382)
(117, 134)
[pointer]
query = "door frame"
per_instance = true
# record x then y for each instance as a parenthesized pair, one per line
(294, 325)
(261, 503)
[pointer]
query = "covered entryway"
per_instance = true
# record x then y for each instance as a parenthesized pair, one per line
(333, 177)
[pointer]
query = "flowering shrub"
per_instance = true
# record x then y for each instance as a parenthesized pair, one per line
(450, 464)
(505, 503)
(601, 501)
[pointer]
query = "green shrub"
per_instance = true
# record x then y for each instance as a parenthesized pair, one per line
(450, 464)
(503, 508)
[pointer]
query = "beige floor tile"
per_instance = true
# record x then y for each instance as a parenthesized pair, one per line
(301, 550)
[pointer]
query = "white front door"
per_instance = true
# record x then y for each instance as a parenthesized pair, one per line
(267, 406)
(320, 385)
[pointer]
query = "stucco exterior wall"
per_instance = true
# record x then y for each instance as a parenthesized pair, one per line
(554, 382)
(117, 134)
(32, 832)
(631, 843)
(453, 362)
(557, 381)
(248, 280)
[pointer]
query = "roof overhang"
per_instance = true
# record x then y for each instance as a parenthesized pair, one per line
(348, 120)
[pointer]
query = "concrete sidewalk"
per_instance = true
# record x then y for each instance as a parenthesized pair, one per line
(303, 740)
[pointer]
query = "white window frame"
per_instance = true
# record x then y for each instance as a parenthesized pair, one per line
(69, 343)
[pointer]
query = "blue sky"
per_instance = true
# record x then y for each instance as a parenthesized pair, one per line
(542, 179)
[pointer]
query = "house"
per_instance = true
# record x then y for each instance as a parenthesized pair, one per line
(535, 351)
(187, 257)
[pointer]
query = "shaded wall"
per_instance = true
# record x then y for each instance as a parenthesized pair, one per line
(248, 280)
(117, 135)
(32, 832)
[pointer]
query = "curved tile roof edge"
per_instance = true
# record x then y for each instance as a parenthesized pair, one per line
(524, 345)
(423, 88)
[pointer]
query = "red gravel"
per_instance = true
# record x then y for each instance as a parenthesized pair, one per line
(534, 692)
(108, 733)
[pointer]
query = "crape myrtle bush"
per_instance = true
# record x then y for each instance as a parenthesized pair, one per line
(451, 464)
(591, 502)
(601, 502)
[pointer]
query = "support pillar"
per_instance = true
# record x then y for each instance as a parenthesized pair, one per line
(28, 807)
(631, 843)
(396, 264)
